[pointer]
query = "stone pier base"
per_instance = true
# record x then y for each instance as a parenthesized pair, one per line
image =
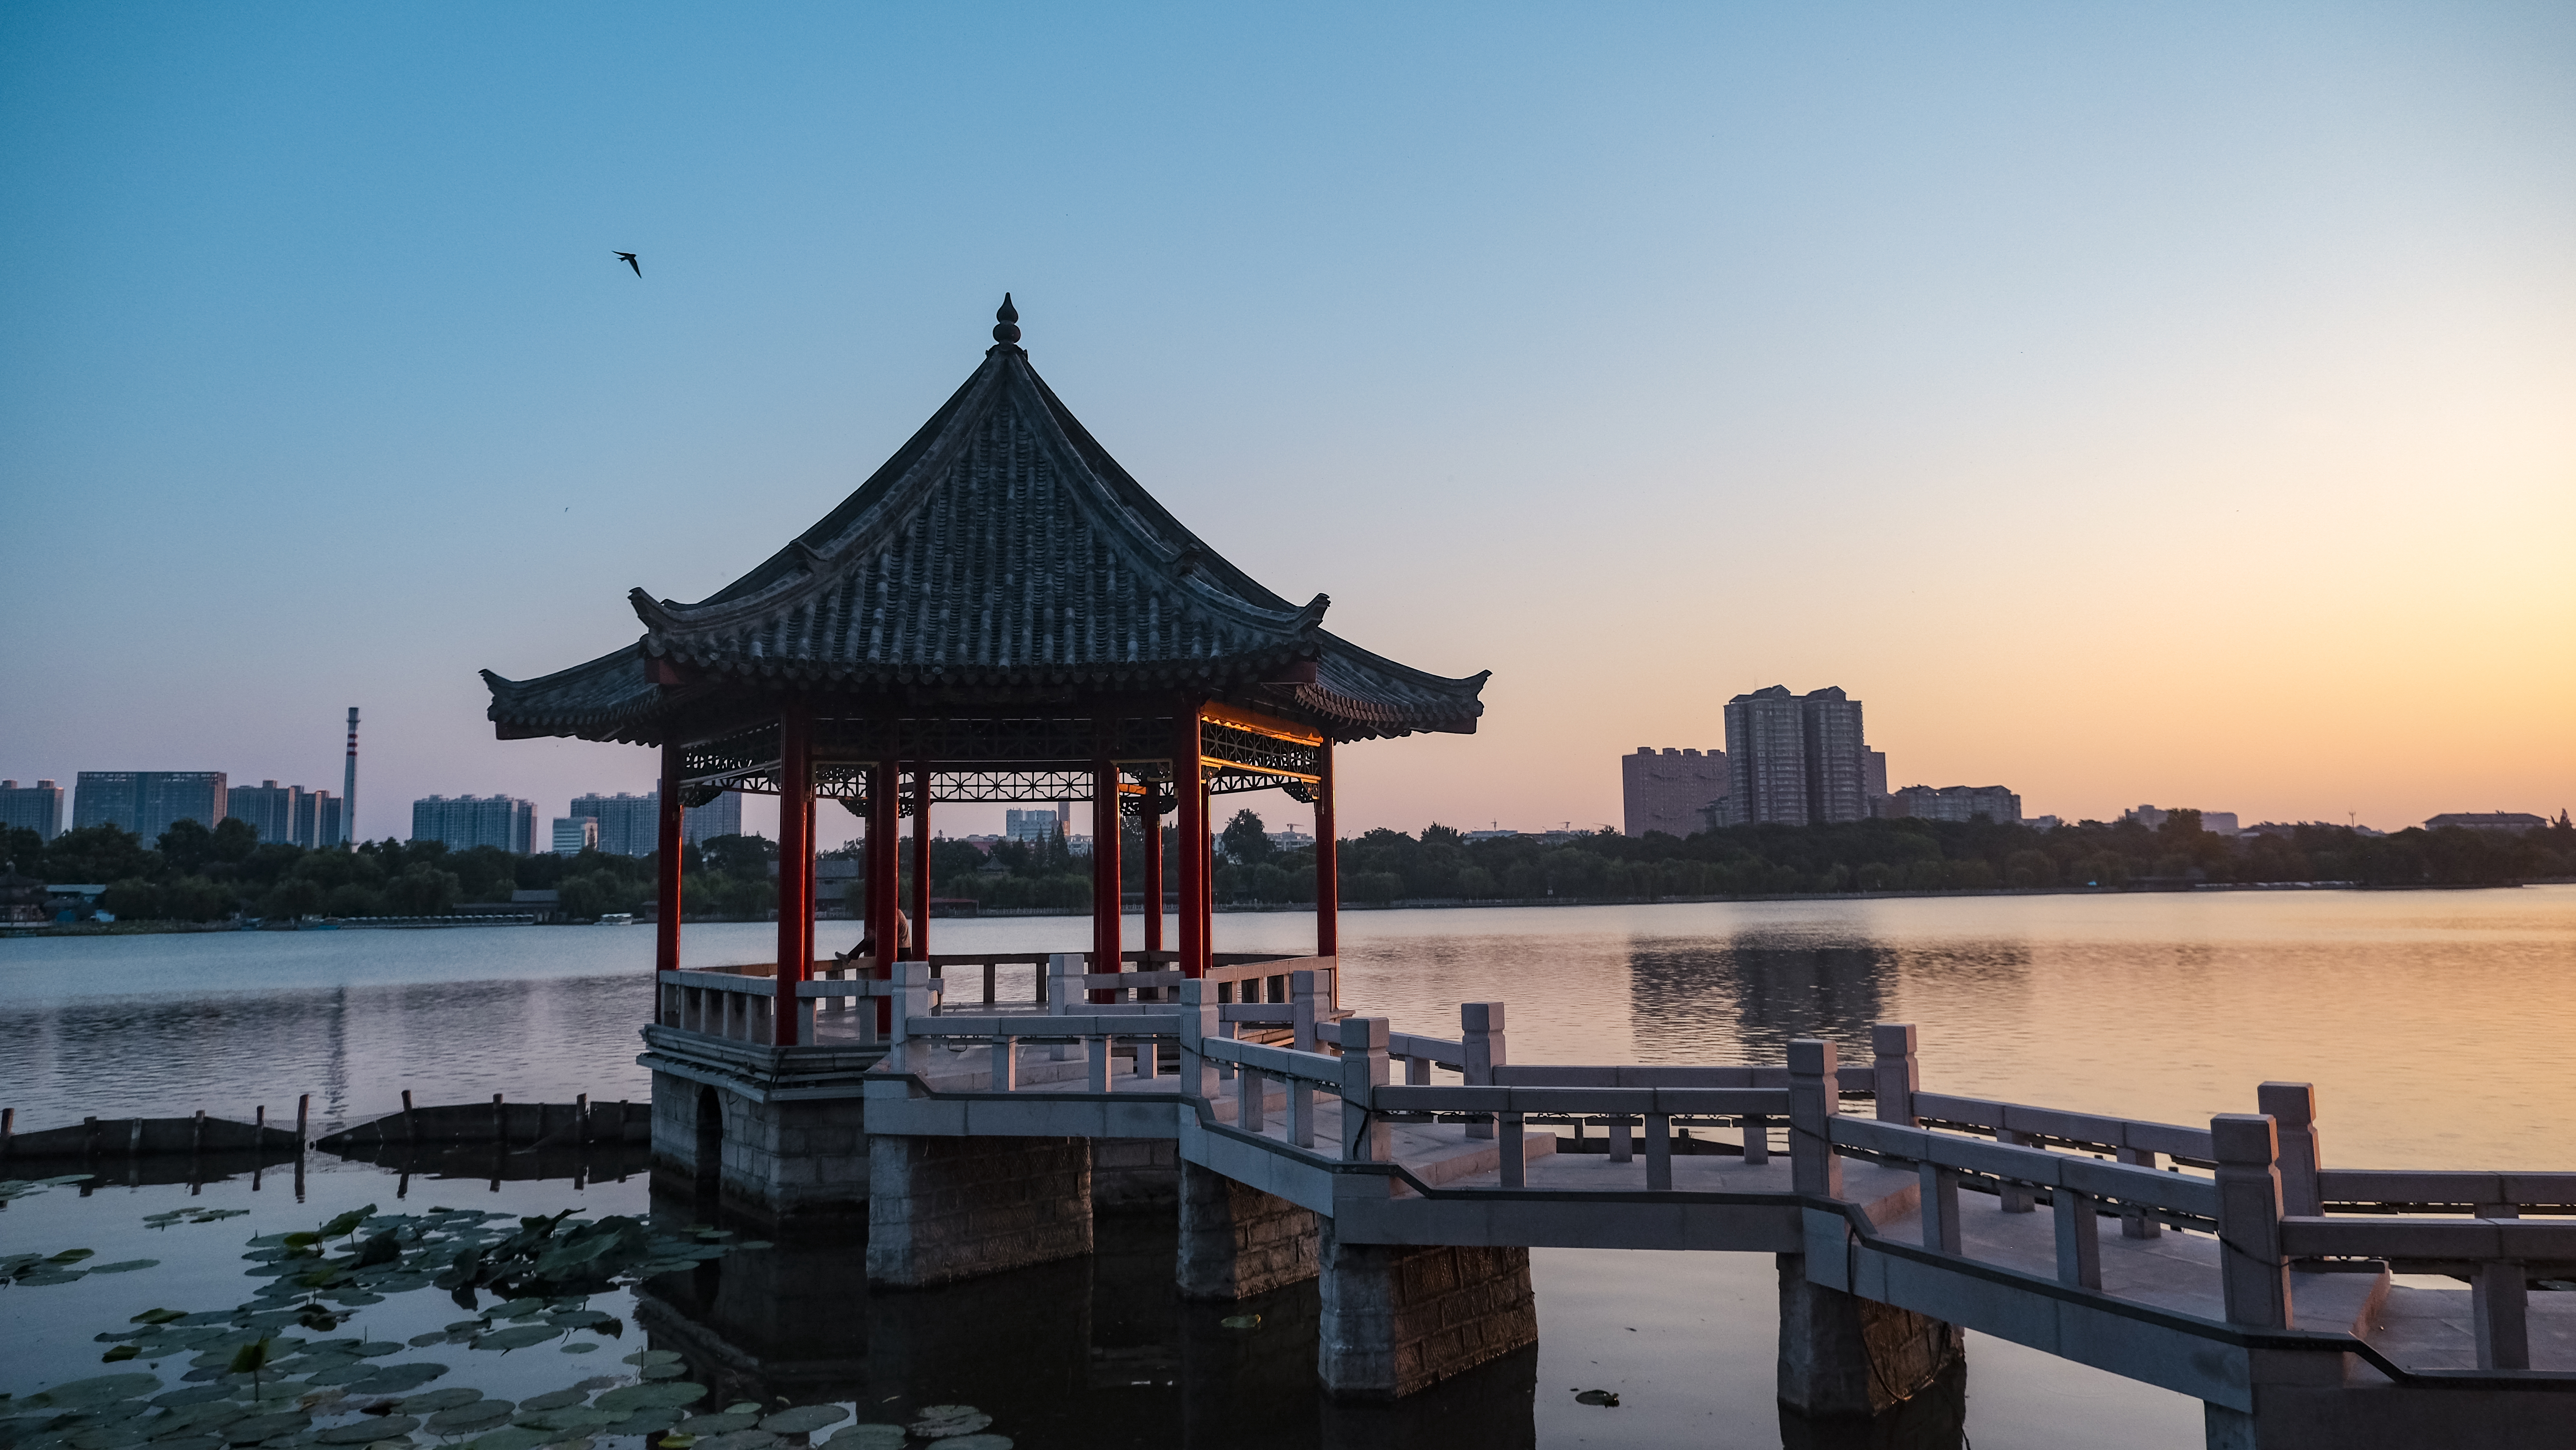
(1134, 1174)
(1236, 1241)
(801, 1158)
(1399, 1318)
(1847, 1358)
(952, 1208)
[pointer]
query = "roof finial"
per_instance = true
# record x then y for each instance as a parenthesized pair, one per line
(1006, 322)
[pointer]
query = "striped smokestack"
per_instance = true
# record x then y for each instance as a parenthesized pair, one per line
(349, 787)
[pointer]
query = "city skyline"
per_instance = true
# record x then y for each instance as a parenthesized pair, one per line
(2144, 417)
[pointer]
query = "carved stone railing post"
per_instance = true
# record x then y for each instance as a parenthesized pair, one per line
(2292, 1106)
(1198, 1023)
(1481, 1033)
(1364, 1138)
(1813, 1100)
(2253, 1277)
(1305, 997)
(1895, 1072)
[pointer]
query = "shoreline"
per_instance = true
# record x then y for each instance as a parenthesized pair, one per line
(177, 928)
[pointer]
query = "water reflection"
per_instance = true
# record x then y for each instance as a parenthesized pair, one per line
(1097, 1351)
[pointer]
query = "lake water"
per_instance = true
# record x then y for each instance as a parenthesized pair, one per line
(2435, 1025)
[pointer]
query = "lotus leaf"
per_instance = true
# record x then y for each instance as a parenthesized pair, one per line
(939, 1422)
(266, 1427)
(124, 1266)
(157, 1316)
(518, 1337)
(202, 1394)
(99, 1390)
(367, 1430)
(868, 1437)
(584, 1347)
(738, 1440)
(397, 1379)
(653, 1396)
(723, 1424)
(43, 1277)
(469, 1417)
(518, 1308)
(664, 1371)
(654, 1356)
(431, 1401)
(553, 1400)
(804, 1419)
(512, 1437)
(120, 1354)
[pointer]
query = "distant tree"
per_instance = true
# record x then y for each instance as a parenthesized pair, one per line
(740, 855)
(97, 854)
(234, 840)
(187, 845)
(1246, 839)
(22, 850)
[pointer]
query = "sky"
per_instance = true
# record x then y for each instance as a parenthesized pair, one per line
(2167, 404)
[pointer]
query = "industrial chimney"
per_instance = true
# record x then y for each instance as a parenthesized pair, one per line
(349, 787)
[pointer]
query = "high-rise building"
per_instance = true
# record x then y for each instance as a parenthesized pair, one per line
(1670, 790)
(465, 822)
(148, 802)
(317, 819)
(1035, 827)
(719, 817)
(267, 806)
(1796, 759)
(629, 825)
(1953, 803)
(575, 834)
(1876, 784)
(37, 808)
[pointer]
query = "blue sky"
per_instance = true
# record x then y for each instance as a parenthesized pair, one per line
(2128, 403)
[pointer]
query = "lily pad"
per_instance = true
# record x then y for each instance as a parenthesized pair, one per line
(97, 1390)
(739, 1440)
(41, 1277)
(397, 1379)
(470, 1417)
(124, 1266)
(941, 1422)
(553, 1400)
(584, 1347)
(724, 1424)
(367, 1431)
(1605, 1398)
(266, 1427)
(664, 1371)
(804, 1419)
(513, 1437)
(517, 1337)
(653, 1356)
(430, 1402)
(868, 1437)
(653, 1396)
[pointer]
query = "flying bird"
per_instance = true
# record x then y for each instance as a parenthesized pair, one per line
(629, 259)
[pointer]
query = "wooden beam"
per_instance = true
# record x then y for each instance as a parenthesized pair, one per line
(1259, 724)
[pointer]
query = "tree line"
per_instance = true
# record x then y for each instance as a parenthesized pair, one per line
(192, 873)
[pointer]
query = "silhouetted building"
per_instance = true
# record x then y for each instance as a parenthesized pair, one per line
(629, 825)
(267, 806)
(2514, 821)
(317, 820)
(719, 817)
(465, 822)
(1034, 827)
(37, 808)
(1797, 759)
(1952, 803)
(1670, 790)
(148, 802)
(2217, 823)
(575, 834)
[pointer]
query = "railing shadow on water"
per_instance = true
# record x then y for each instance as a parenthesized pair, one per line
(1115, 1357)
(496, 1164)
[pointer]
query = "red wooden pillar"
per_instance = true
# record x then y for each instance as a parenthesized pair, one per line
(885, 875)
(666, 868)
(1108, 900)
(1328, 863)
(1189, 781)
(920, 862)
(795, 865)
(1151, 819)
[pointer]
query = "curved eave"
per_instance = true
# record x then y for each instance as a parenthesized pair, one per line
(590, 700)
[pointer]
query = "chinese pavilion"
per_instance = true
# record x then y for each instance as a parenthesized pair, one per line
(1000, 613)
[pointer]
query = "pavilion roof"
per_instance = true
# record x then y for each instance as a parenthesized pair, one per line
(1000, 560)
